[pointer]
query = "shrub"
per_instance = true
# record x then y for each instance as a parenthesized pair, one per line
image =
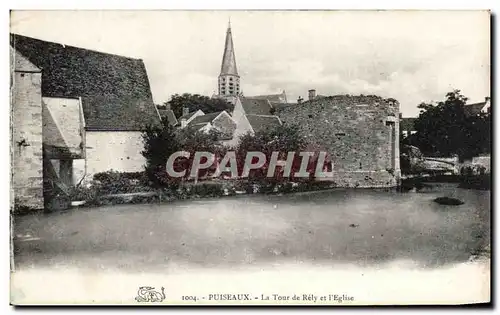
(89, 193)
(159, 143)
(207, 190)
(113, 182)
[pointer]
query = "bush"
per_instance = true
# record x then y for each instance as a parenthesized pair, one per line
(472, 169)
(207, 190)
(113, 182)
(482, 181)
(90, 194)
(113, 175)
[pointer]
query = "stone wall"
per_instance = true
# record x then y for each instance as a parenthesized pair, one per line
(361, 134)
(26, 141)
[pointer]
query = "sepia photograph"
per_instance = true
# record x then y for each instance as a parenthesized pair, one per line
(250, 157)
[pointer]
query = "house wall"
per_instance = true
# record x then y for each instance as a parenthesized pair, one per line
(361, 134)
(238, 111)
(242, 124)
(242, 127)
(26, 137)
(113, 150)
(62, 124)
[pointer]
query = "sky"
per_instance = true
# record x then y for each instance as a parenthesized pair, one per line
(412, 56)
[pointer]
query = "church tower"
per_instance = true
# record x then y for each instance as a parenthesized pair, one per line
(229, 80)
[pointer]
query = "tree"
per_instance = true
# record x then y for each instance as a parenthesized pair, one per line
(282, 139)
(444, 129)
(195, 102)
(199, 141)
(160, 141)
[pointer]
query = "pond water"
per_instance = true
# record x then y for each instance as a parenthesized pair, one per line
(355, 226)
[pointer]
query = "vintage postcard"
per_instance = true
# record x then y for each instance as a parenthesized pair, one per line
(250, 157)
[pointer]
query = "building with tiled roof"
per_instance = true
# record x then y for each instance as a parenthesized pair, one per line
(188, 116)
(263, 122)
(89, 106)
(272, 98)
(169, 115)
(477, 108)
(253, 115)
(221, 122)
(114, 90)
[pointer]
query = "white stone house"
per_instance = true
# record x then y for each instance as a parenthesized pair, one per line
(95, 107)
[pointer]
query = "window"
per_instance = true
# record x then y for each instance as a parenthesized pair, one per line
(230, 79)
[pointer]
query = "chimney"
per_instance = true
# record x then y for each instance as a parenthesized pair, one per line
(312, 94)
(167, 105)
(299, 100)
(183, 122)
(185, 110)
(487, 99)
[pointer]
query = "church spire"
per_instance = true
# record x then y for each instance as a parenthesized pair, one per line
(229, 80)
(229, 60)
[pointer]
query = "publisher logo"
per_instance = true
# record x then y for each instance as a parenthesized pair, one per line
(149, 294)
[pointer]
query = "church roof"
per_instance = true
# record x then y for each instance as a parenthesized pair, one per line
(273, 98)
(229, 59)
(263, 122)
(115, 90)
(256, 106)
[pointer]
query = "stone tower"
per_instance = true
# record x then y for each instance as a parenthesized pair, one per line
(229, 80)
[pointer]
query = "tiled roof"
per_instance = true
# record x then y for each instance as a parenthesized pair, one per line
(204, 118)
(256, 106)
(282, 105)
(273, 98)
(261, 123)
(226, 125)
(114, 89)
(169, 114)
(195, 127)
(187, 116)
(474, 109)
